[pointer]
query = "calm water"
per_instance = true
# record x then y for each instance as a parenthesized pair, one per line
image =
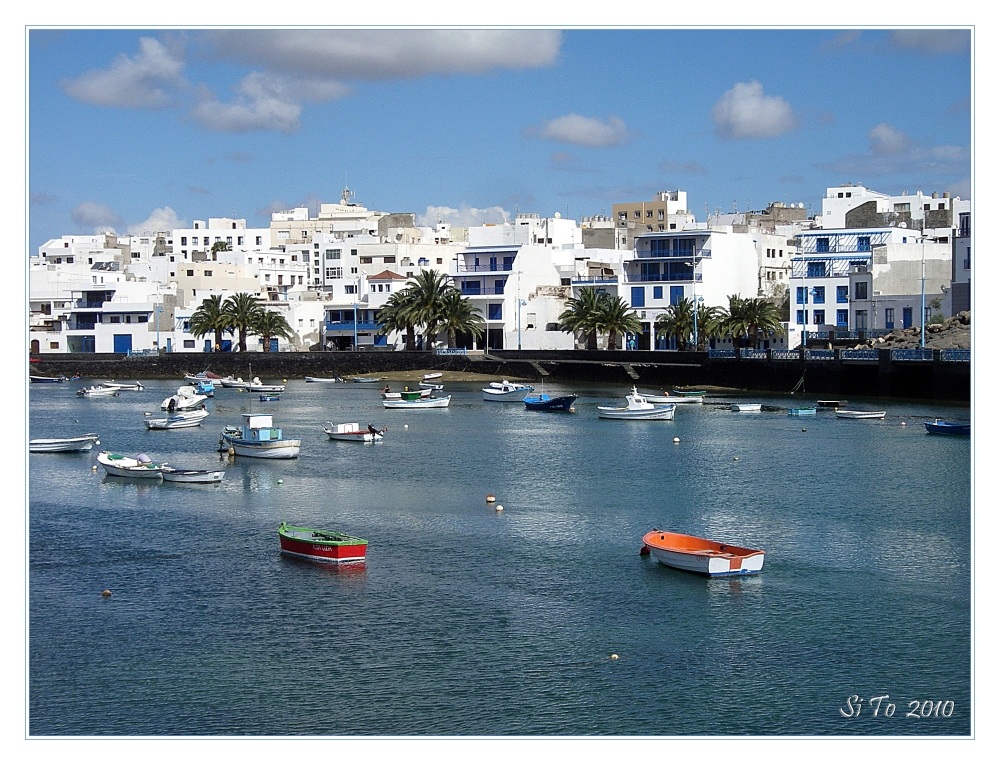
(469, 621)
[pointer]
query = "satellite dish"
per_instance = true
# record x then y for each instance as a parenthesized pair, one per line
(399, 231)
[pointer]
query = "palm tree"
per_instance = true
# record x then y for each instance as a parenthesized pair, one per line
(210, 317)
(269, 324)
(616, 317)
(457, 315)
(241, 312)
(580, 315)
(396, 316)
(425, 293)
(761, 316)
(677, 321)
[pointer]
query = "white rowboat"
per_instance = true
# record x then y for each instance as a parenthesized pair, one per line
(420, 403)
(127, 467)
(98, 391)
(181, 475)
(124, 385)
(848, 414)
(75, 444)
(506, 391)
(180, 420)
(745, 407)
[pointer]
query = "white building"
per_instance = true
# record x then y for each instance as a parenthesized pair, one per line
(196, 243)
(961, 279)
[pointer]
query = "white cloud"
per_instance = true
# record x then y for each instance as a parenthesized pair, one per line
(962, 188)
(95, 214)
(465, 216)
(885, 139)
(369, 54)
(583, 131)
(161, 219)
(263, 103)
(746, 112)
(143, 81)
(933, 41)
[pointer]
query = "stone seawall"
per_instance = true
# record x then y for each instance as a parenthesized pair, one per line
(928, 380)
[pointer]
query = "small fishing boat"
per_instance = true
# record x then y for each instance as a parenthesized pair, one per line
(418, 403)
(205, 388)
(637, 409)
(185, 398)
(352, 431)
(849, 414)
(702, 556)
(256, 386)
(269, 397)
(259, 438)
(129, 467)
(410, 395)
(943, 428)
(324, 379)
(668, 398)
(430, 386)
(745, 407)
(547, 403)
(325, 546)
(98, 391)
(123, 385)
(41, 379)
(182, 475)
(506, 391)
(830, 404)
(701, 393)
(190, 419)
(433, 375)
(801, 411)
(232, 382)
(202, 377)
(74, 444)
(365, 379)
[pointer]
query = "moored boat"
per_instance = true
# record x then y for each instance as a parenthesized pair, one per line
(123, 385)
(745, 407)
(637, 409)
(205, 387)
(365, 379)
(388, 395)
(352, 431)
(849, 414)
(185, 398)
(259, 438)
(824, 403)
(433, 375)
(232, 382)
(256, 386)
(98, 391)
(702, 556)
(183, 475)
(506, 391)
(678, 392)
(129, 467)
(418, 403)
(269, 397)
(667, 398)
(42, 379)
(801, 411)
(325, 546)
(547, 403)
(74, 444)
(324, 379)
(430, 386)
(190, 419)
(940, 427)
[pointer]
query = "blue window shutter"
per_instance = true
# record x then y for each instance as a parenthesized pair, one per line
(638, 297)
(676, 295)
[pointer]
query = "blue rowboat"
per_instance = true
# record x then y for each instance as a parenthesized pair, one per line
(270, 398)
(802, 411)
(948, 428)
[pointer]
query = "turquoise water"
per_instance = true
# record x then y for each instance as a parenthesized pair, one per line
(465, 620)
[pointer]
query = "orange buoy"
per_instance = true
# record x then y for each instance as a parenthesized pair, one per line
(490, 499)
(106, 594)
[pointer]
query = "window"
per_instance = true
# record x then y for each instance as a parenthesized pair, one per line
(496, 311)
(659, 214)
(842, 294)
(861, 290)
(635, 214)
(801, 295)
(190, 272)
(365, 260)
(281, 235)
(115, 319)
(205, 241)
(890, 318)
(53, 346)
(229, 241)
(334, 273)
(239, 241)
(676, 295)
(657, 293)
(622, 215)
(798, 317)
(927, 315)
(822, 244)
(184, 241)
(840, 195)
(189, 343)
(208, 273)
(815, 269)
(819, 317)
(305, 234)
(842, 317)
(389, 259)
(350, 289)
(864, 244)
(333, 254)
(260, 239)
(861, 319)
(70, 259)
(439, 261)
(819, 295)
(267, 277)
(901, 207)
(378, 290)
(649, 213)
(300, 280)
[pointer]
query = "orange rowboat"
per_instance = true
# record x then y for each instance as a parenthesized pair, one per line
(701, 556)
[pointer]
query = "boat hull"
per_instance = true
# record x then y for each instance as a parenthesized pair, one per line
(745, 407)
(284, 449)
(173, 423)
(657, 413)
(510, 395)
(322, 546)
(176, 475)
(703, 556)
(801, 412)
(420, 403)
(948, 428)
(545, 404)
(98, 392)
(80, 444)
(398, 396)
(125, 467)
(848, 415)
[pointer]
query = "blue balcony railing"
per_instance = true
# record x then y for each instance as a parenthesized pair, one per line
(818, 354)
(463, 268)
(83, 325)
(659, 278)
(955, 354)
(785, 355)
(722, 353)
(473, 291)
(912, 354)
(341, 326)
(867, 354)
(753, 353)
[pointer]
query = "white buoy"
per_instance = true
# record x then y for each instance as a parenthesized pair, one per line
(284, 380)
(676, 440)
(903, 424)
(499, 508)
(490, 499)
(405, 426)
(93, 467)
(614, 657)
(736, 459)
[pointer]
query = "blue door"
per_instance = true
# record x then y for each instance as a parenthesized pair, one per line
(123, 343)
(676, 295)
(227, 346)
(907, 318)
(87, 344)
(208, 346)
(274, 345)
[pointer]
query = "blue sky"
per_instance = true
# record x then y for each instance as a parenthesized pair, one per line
(131, 129)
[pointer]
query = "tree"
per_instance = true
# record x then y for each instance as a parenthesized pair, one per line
(616, 317)
(241, 311)
(580, 315)
(269, 324)
(424, 296)
(220, 246)
(747, 318)
(210, 317)
(457, 315)
(396, 316)
(677, 321)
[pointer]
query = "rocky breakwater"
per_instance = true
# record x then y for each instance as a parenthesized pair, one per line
(955, 333)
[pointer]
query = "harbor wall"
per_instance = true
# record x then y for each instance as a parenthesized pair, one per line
(882, 378)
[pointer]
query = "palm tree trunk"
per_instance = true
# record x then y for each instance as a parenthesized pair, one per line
(411, 340)
(218, 340)
(592, 341)
(452, 341)
(243, 339)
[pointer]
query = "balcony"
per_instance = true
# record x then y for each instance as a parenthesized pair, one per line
(660, 278)
(595, 280)
(476, 291)
(464, 268)
(350, 326)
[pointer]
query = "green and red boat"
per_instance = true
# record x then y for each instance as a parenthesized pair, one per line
(325, 546)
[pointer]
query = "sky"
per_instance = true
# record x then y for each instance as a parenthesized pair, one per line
(135, 130)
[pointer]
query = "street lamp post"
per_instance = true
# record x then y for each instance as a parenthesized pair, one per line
(694, 299)
(519, 304)
(923, 309)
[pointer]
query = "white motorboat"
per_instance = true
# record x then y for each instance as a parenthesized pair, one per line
(668, 398)
(506, 391)
(256, 386)
(352, 431)
(232, 382)
(123, 385)
(854, 414)
(637, 409)
(433, 375)
(324, 379)
(185, 398)
(191, 419)
(98, 391)
(259, 438)
(182, 475)
(745, 407)
(418, 403)
(43, 379)
(398, 395)
(128, 467)
(74, 444)
(430, 386)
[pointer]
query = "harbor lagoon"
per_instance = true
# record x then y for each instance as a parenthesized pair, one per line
(466, 619)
